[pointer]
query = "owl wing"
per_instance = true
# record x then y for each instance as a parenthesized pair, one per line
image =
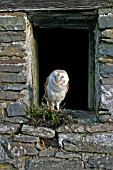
(67, 87)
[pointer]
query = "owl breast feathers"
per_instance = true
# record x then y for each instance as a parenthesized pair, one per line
(56, 88)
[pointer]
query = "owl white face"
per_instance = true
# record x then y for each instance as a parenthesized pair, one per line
(59, 77)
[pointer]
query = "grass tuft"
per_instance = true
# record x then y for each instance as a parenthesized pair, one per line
(42, 116)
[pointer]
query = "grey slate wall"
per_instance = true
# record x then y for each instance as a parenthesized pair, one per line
(16, 62)
(104, 65)
(84, 145)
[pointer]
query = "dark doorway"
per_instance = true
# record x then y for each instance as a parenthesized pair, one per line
(65, 49)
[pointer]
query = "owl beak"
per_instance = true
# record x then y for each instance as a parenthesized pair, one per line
(57, 79)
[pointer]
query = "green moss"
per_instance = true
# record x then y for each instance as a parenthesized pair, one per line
(42, 116)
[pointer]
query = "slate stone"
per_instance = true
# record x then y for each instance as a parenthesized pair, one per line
(25, 138)
(12, 78)
(12, 23)
(53, 163)
(103, 11)
(39, 131)
(67, 155)
(17, 163)
(9, 128)
(108, 33)
(107, 81)
(94, 143)
(106, 49)
(3, 156)
(82, 117)
(106, 98)
(17, 120)
(106, 71)
(16, 109)
(17, 149)
(8, 95)
(12, 61)
(99, 127)
(65, 129)
(10, 36)
(71, 128)
(12, 68)
(11, 51)
(13, 87)
(105, 118)
(46, 153)
(104, 162)
(107, 40)
(106, 20)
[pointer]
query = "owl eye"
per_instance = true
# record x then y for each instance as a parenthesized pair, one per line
(62, 77)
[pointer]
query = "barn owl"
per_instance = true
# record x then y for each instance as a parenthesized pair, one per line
(56, 88)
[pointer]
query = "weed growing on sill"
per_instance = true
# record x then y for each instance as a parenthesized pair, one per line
(42, 116)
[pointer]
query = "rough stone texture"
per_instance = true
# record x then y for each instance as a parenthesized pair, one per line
(67, 155)
(8, 95)
(105, 53)
(108, 33)
(106, 19)
(12, 23)
(50, 163)
(9, 128)
(106, 49)
(16, 109)
(71, 128)
(11, 68)
(46, 153)
(106, 97)
(12, 36)
(86, 144)
(106, 118)
(12, 78)
(103, 162)
(106, 81)
(82, 117)
(18, 120)
(25, 138)
(17, 149)
(99, 128)
(3, 155)
(106, 71)
(12, 50)
(12, 87)
(97, 143)
(39, 131)
(12, 61)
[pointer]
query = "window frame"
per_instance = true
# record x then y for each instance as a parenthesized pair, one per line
(73, 20)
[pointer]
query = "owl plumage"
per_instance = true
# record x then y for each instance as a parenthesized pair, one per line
(56, 88)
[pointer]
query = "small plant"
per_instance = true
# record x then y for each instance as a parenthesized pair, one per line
(42, 116)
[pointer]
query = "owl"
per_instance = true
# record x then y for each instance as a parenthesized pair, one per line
(56, 88)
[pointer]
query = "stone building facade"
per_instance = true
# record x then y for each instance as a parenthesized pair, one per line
(88, 144)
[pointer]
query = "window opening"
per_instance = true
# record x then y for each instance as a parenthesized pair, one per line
(65, 49)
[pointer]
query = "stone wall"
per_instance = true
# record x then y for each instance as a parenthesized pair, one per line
(17, 58)
(87, 144)
(77, 146)
(104, 65)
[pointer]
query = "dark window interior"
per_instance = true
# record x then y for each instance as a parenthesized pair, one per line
(65, 49)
